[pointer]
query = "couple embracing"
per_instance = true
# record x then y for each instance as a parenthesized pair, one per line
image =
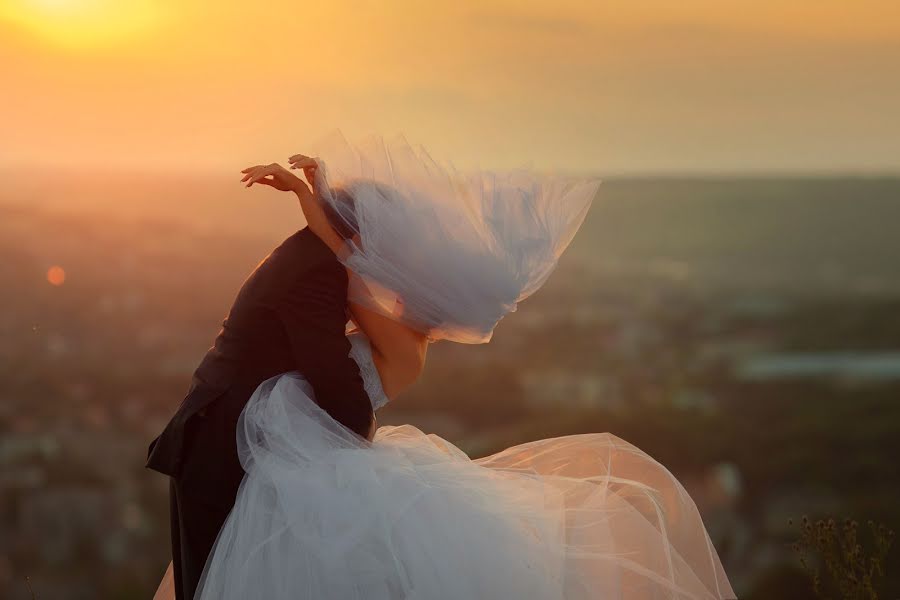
(282, 485)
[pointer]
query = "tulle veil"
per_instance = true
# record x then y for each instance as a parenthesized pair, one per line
(447, 251)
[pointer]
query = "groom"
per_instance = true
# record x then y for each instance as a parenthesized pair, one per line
(289, 315)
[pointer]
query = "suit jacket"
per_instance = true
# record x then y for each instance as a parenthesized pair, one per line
(290, 314)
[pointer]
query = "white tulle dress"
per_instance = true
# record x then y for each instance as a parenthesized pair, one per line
(324, 514)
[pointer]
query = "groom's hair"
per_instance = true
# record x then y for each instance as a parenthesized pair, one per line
(342, 215)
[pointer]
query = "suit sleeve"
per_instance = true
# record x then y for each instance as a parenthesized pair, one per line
(313, 313)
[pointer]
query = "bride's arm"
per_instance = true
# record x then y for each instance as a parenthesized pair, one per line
(398, 351)
(276, 176)
(312, 206)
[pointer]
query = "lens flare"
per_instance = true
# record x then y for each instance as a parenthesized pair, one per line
(56, 275)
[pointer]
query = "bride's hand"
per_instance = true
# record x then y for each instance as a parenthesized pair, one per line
(274, 175)
(309, 166)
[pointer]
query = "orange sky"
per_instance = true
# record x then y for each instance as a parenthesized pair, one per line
(603, 86)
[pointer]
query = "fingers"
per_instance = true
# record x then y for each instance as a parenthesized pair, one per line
(301, 161)
(250, 171)
(262, 179)
(309, 166)
(272, 174)
(258, 174)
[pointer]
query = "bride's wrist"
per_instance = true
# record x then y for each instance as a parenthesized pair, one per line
(298, 187)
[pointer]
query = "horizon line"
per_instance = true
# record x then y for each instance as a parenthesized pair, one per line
(658, 173)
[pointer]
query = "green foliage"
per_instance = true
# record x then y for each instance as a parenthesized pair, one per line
(852, 570)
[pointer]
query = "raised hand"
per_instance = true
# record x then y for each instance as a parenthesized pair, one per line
(309, 166)
(274, 175)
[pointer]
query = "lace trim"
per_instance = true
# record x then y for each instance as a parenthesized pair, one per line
(361, 352)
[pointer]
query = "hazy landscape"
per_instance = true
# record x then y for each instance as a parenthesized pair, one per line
(743, 331)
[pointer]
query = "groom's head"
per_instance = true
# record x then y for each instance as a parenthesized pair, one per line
(343, 213)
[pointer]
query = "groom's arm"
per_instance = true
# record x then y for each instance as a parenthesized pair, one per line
(314, 314)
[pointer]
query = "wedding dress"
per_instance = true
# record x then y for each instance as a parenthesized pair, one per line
(324, 514)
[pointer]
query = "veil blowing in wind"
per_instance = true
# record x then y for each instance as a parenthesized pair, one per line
(448, 252)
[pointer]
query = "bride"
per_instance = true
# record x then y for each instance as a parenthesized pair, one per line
(324, 513)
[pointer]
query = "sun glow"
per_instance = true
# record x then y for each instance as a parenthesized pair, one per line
(82, 23)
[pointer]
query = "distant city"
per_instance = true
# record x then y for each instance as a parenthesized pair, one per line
(745, 332)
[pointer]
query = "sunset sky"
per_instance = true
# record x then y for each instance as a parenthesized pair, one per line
(607, 86)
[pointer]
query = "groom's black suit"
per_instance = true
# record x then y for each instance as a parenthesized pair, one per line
(289, 315)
